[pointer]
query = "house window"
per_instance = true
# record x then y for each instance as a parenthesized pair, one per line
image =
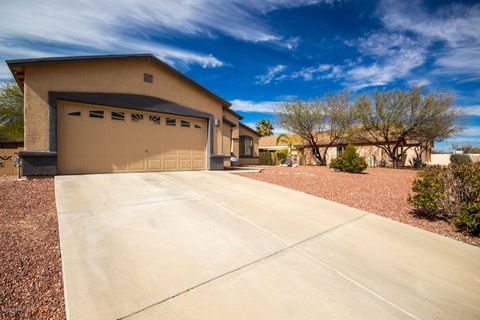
(171, 122)
(185, 124)
(137, 117)
(246, 146)
(340, 151)
(118, 115)
(96, 114)
(155, 119)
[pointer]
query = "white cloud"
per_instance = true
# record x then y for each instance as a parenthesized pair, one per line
(395, 56)
(471, 110)
(419, 82)
(308, 73)
(471, 132)
(254, 106)
(455, 26)
(271, 75)
(123, 26)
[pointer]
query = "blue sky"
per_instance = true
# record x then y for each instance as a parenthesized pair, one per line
(258, 53)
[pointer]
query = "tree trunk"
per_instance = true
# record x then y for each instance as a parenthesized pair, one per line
(316, 154)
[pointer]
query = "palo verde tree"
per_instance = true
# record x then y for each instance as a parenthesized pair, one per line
(388, 119)
(264, 127)
(318, 122)
(11, 112)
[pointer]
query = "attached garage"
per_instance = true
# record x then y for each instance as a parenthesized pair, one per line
(98, 139)
(120, 113)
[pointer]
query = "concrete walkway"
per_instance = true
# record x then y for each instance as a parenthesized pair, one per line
(213, 245)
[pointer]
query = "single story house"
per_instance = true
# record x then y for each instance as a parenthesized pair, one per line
(123, 113)
(373, 155)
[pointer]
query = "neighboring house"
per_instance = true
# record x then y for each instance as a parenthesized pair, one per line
(371, 153)
(8, 151)
(122, 113)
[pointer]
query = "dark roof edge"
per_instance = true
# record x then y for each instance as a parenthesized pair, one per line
(233, 112)
(113, 57)
(250, 129)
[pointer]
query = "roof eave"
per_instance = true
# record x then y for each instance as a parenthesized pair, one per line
(15, 63)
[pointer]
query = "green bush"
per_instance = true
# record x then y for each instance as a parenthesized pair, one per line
(460, 159)
(281, 154)
(469, 218)
(266, 158)
(429, 189)
(451, 193)
(349, 161)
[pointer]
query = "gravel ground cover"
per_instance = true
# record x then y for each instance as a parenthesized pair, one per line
(379, 190)
(30, 268)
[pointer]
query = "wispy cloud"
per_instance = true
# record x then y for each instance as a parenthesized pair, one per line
(123, 26)
(271, 74)
(456, 27)
(471, 110)
(254, 106)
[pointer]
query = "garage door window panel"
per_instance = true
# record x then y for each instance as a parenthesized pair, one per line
(118, 116)
(136, 117)
(96, 114)
(75, 113)
(170, 122)
(155, 119)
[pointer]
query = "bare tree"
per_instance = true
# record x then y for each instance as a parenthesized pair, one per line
(388, 119)
(325, 122)
(339, 119)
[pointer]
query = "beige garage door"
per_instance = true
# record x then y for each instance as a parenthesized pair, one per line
(93, 139)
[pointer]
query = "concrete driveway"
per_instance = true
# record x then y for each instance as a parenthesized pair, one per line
(213, 245)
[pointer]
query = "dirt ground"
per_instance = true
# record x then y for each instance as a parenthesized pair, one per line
(30, 268)
(379, 190)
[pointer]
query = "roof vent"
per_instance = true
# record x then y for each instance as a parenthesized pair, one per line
(147, 77)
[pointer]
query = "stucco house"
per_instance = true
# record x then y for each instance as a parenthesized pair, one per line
(123, 113)
(372, 154)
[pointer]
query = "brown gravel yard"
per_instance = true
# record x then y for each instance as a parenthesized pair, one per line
(30, 268)
(378, 190)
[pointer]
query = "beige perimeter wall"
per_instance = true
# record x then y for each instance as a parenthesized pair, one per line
(372, 155)
(6, 164)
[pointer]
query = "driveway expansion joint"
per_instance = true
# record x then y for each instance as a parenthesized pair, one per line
(290, 246)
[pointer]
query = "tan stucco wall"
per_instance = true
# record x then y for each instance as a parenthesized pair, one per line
(235, 132)
(111, 76)
(249, 161)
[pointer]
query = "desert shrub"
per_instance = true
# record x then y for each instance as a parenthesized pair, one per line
(416, 162)
(451, 193)
(281, 154)
(460, 159)
(266, 158)
(349, 161)
(429, 189)
(469, 218)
